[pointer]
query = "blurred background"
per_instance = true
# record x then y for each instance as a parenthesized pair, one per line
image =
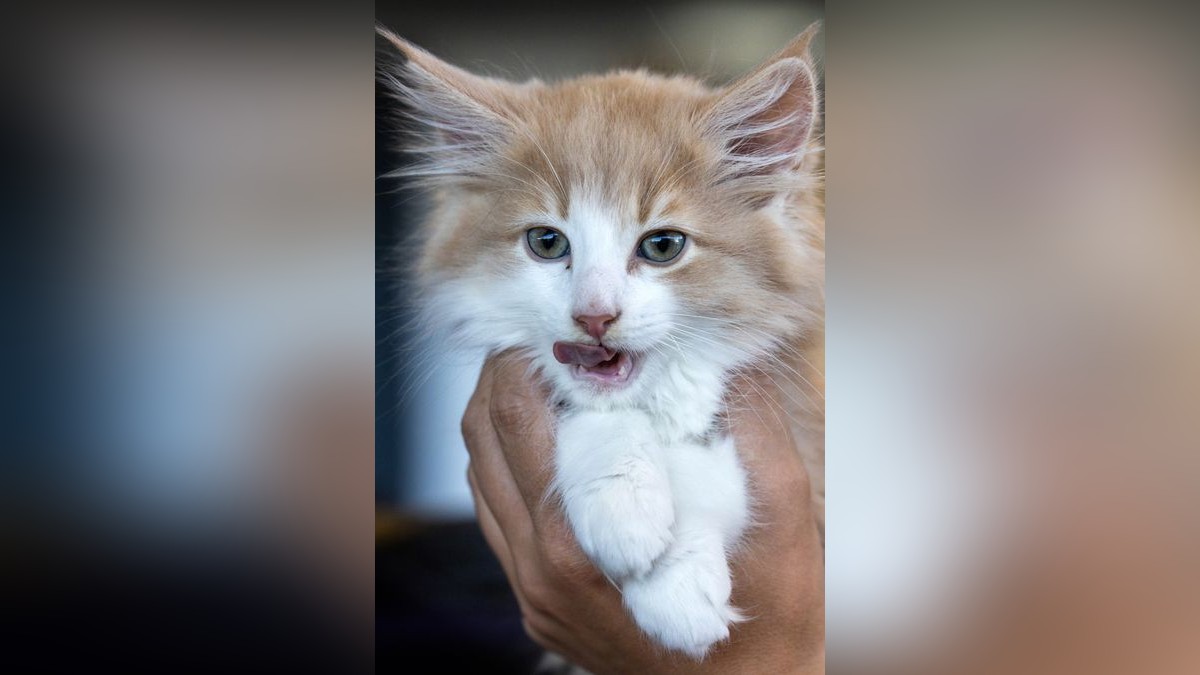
(440, 592)
(190, 355)
(185, 459)
(1012, 338)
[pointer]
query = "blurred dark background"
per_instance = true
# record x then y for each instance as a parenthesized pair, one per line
(440, 593)
(186, 372)
(189, 348)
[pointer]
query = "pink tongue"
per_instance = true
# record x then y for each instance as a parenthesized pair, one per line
(588, 356)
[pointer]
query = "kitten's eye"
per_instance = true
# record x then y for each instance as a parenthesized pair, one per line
(662, 246)
(547, 243)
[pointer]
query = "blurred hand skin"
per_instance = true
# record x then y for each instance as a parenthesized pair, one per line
(570, 608)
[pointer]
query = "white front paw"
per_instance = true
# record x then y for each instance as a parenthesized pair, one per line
(623, 521)
(684, 603)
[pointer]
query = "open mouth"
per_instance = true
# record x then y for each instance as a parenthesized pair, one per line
(596, 363)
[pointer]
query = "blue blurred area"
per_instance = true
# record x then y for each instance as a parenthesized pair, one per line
(184, 352)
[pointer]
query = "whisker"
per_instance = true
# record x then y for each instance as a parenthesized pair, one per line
(710, 338)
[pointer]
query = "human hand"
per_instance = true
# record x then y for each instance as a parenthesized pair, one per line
(570, 608)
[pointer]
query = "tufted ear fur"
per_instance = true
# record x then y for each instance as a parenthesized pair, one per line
(456, 119)
(765, 119)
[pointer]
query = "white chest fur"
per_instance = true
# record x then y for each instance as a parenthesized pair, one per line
(656, 497)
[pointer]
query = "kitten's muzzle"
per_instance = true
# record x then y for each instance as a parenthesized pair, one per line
(597, 364)
(578, 353)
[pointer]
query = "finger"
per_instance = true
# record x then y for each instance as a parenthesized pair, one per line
(494, 481)
(494, 536)
(761, 425)
(549, 641)
(780, 484)
(778, 478)
(492, 532)
(761, 411)
(521, 414)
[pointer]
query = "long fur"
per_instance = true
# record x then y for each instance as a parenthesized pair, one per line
(647, 474)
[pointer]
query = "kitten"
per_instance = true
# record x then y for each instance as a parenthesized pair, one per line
(642, 239)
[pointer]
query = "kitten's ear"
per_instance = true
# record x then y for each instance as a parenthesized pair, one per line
(765, 118)
(457, 118)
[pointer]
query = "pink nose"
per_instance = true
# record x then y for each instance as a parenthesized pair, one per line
(596, 325)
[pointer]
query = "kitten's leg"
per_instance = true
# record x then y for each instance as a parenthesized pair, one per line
(684, 601)
(612, 480)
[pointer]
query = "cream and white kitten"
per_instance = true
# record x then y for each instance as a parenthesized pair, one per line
(642, 239)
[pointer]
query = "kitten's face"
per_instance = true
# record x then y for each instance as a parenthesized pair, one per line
(605, 226)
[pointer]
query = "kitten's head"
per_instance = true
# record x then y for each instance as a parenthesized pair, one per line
(624, 230)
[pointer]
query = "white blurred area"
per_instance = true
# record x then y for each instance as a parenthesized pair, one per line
(1012, 341)
(432, 482)
(231, 257)
(915, 512)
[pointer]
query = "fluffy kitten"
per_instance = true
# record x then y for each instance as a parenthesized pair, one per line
(641, 238)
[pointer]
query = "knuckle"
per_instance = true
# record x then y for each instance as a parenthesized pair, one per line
(508, 414)
(559, 557)
(466, 426)
(539, 596)
(564, 561)
(547, 586)
(535, 631)
(471, 424)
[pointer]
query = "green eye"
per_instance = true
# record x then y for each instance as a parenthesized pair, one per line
(662, 246)
(547, 243)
